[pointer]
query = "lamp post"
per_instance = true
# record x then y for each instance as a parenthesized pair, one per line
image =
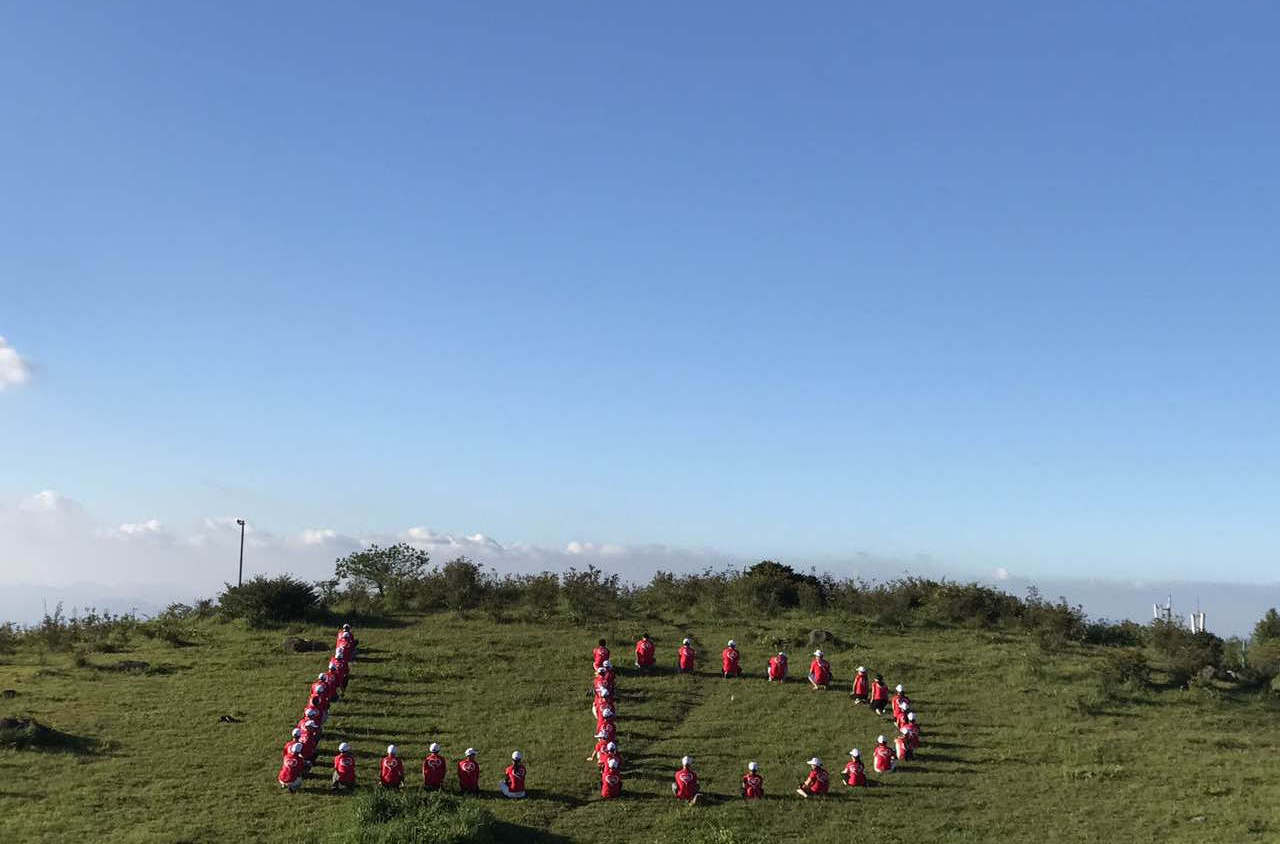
(240, 577)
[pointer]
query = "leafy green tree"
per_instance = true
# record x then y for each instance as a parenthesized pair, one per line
(382, 568)
(1268, 628)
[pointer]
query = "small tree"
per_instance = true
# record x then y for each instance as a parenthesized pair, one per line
(382, 568)
(1267, 628)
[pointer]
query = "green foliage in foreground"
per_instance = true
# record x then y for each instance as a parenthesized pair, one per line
(1026, 740)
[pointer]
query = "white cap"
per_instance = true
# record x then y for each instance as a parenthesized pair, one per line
(904, 731)
(815, 761)
(434, 748)
(898, 688)
(752, 766)
(608, 663)
(608, 713)
(855, 753)
(733, 644)
(861, 670)
(319, 676)
(309, 724)
(340, 652)
(297, 731)
(346, 627)
(817, 653)
(611, 746)
(311, 713)
(471, 751)
(686, 761)
(344, 747)
(782, 654)
(296, 750)
(879, 739)
(321, 688)
(392, 750)
(601, 670)
(613, 763)
(600, 734)
(516, 756)
(687, 642)
(604, 692)
(911, 716)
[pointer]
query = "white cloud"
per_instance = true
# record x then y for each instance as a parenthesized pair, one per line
(14, 370)
(47, 501)
(318, 536)
(1002, 573)
(149, 528)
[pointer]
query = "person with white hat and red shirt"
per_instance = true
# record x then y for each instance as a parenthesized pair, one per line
(292, 769)
(469, 772)
(814, 785)
(861, 686)
(611, 780)
(685, 786)
(883, 760)
(777, 671)
(391, 771)
(434, 768)
(752, 783)
(855, 775)
(819, 671)
(512, 784)
(344, 768)
(730, 660)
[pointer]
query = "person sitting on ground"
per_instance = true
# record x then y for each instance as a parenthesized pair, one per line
(469, 773)
(879, 695)
(855, 775)
(882, 759)
(320, 689)
(778, 667)
(344, 769)
(645, 652)
(610, 752)
(292, 769)
(686, 785)
(321, 707)
(816, 784)
(605, 721)
(685, 657)
(611, 780)
(338, 666)
(347, 641)
(606, 732)
(310, 741)
(609, 676)
(312, 714)
(512, 784)
(600, 654)
(900, 702)
(752, 783)
(288, 745)
(434, 768)
(331, 683)
(861, 686)
(730, 659)
(600, 702)
(391, 771)
(913, 729)
(819, 671)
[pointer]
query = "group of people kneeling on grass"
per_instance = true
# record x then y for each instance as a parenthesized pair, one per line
(304, 744)
(435, 766)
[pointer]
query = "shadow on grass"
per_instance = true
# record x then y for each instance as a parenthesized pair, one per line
(514, 832)
(23, 734)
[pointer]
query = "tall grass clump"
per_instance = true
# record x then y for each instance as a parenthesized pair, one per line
(382, 816)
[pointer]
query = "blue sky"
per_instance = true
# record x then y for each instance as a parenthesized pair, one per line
(994, 288)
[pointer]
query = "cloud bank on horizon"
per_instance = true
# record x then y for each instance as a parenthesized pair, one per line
(51, 549)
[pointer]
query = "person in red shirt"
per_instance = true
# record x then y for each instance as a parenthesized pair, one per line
(607, 731)
(338, 667)
(600, 654)
(469, 773)
(344, 768)
(346, 640)
(900, 702)
(292, 769)
(610, 752)
(913, 729)
(778, 667)
(902, 744)
(288, 745)
(879, 695)
(855, 775)
(611, 780)
(729, 660)
(333, 683)
(312, 714)
(600, 703)
(883, 760)
(434, 768)
(686, 785)
(310, 741)
(344, 666)
(321, 707)
(609, 675)
(861, 686)
(391, 772)
(752, 783)
(819, 671)
(685, 657)
(605, 721)
(814, 785)
(512, 784)
(645, 652)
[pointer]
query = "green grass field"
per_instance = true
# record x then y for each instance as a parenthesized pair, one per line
(1010, 752)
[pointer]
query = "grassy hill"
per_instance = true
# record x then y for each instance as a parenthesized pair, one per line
(1019, 744)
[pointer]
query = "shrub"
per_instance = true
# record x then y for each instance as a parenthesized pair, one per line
(381, 816)
(1125, 667)
(8, 638)
(589, 594)
(1185, 653)
(463, 584)
(383, 568)
(262, 601)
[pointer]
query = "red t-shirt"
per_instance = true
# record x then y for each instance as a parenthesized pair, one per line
(752, 786)
(515, 777)
(610, 784)
(686, 784)
(609, 729)
(644, 652)
(392, 770)
(598, 656)
(433, 770)
(345, 765)
(729, 660)
(879, 691)
(468, 775)
(821, 671)
(860, 684)
(854, 773)
(816, 783)
(686, 658)
(777, 668)
(900, 704)
(605, 756)
(291, 769)
(288, 747)
(883, 757)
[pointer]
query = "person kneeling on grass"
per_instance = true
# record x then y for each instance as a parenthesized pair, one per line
(819, 671)
(861, 686)
(599, 654)
(883, 760)
(879, 695)
(685, 657)
(644, 652)
(730, 660)
(512, 784)
(752, 783)
(469, 773)
(433, 768)
(611, 781)
(778, 667)
(391, 772)
(610, 752)
(855, 775)
(686, 785)
(344, 769)
(902, 744)
(814, 785)
(292, 769)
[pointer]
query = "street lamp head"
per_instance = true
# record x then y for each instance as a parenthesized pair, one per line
(240, 522)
